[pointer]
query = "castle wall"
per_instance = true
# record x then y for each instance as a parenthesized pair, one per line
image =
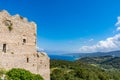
(36, 63)
(21, 30)
(18, 46)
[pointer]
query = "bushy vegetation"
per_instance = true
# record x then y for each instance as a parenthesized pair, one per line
(19, 74)
(67, 70)
(106, 62)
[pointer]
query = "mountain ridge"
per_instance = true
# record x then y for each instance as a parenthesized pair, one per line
(96, 54)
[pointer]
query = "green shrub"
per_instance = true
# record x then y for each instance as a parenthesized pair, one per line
(10, 28)
(22, 74)
(37, 77)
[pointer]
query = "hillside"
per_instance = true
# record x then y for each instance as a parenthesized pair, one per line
(67, 70)
(96, 54)
(103, 61)
(90, 66)
(95, 60)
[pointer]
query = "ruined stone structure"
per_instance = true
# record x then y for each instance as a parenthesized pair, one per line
(18, 46)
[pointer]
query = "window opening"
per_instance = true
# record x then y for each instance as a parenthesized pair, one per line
(27, 60)
(4, 48)
(24, 40)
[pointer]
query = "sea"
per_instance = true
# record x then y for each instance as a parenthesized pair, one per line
(63, 57)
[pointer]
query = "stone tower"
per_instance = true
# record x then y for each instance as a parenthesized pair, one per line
(18, 46)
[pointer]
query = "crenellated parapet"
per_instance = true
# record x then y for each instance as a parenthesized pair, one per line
(18, 45)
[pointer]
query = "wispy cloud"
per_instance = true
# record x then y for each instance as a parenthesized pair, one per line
(91, 39)
(110, 44)
(118, 24)
(40, 49)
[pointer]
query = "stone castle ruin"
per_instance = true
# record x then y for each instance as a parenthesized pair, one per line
(18, 46)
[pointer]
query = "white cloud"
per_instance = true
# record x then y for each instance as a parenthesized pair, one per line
(118, 24)
(91, 39)
(118, 29)
(40, 49)
(110, 44)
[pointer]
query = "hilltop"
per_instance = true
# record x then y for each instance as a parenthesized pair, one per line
(78, 70)
(96, 54)
(106, 62)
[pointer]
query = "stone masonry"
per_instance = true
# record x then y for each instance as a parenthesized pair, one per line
(18, 46)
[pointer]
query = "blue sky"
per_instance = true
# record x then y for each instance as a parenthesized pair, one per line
(70, 25)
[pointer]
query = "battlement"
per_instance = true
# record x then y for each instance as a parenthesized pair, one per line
(18, 45)
(4, 13)
(17, 32)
